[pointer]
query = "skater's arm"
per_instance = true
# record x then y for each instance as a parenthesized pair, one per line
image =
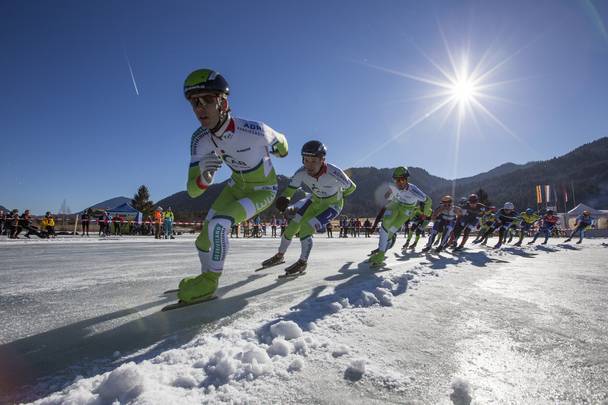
(348, 185)
(437, 212)
(378, 218)
(201, 172)
(277, 143)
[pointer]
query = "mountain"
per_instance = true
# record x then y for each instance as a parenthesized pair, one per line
(585, 169)
(111, 203)
(3, 209)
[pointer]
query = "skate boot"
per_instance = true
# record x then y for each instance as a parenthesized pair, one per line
(296, 268)
(568, 240)
(579, 242)
(427, 248)
(377, 259)
(413, 246)
(405, 246)
(373, 252)
(498, 245)
(438, 248)
(517, 244)
(202, 287)
(273, 261)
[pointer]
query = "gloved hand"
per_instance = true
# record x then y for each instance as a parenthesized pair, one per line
(210, 163)
(282, 203)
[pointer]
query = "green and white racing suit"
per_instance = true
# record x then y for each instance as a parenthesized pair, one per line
(245, 147)
(316, 209)
(402, 206)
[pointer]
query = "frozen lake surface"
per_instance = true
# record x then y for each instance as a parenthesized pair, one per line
(82, 324)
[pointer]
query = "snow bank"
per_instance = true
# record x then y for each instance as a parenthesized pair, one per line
(214, 367)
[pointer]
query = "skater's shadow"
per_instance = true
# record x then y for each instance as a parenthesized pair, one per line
(567, 246)
(479, 259)
(439, 261)
(546, 249)
(343, 273)
(360, 288)
(519, 252)
(70, 350)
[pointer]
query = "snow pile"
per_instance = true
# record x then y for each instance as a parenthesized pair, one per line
(461, 394)
(123, 384)
(355, 370)
(341, 350)
(287, 329)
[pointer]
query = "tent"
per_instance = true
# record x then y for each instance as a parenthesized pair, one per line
(601, 216)
(128, 212)
(578, 210)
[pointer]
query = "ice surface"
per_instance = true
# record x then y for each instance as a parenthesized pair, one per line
(82, 325)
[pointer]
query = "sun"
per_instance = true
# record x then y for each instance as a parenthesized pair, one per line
(464, 90)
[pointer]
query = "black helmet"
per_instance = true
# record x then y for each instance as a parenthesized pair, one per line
(314, 148)
(473, 198)
(205, 79)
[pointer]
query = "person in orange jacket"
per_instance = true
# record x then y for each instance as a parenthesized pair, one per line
(158, 221)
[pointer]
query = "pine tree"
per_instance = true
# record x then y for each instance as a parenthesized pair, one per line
(483, 197)
(141, 201)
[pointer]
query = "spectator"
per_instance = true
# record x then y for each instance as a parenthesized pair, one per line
(273, 226)
(256, 227)
(2, 221)
(47, 226)
(283, 225)
(26, 222)
(13, 224)
(357, 227)
(86, 218)
(116, 220)
(367, 225)
(158, 218)
(169, 218)
(329, 229)
(234, 232)
(148, 225)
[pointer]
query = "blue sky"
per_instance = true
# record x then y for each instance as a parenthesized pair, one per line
(73, 127)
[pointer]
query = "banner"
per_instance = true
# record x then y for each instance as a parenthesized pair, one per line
(539, 195)
(547, 193)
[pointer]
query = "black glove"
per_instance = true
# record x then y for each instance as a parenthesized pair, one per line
(282, 203)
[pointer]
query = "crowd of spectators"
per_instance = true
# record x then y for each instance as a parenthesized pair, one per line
(12, 224)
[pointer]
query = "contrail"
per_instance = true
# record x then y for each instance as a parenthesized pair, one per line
(131, 71)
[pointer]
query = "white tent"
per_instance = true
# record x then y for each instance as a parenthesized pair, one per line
(601, 216)
(578, 210)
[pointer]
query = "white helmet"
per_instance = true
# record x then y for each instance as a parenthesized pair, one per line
(509, 206)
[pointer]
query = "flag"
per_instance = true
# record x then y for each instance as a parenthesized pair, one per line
(539, 195)
(555, 195)
(547, 193)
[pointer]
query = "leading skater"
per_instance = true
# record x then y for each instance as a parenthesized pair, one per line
(245, 147)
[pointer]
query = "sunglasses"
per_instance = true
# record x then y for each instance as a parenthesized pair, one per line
(203, 100)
